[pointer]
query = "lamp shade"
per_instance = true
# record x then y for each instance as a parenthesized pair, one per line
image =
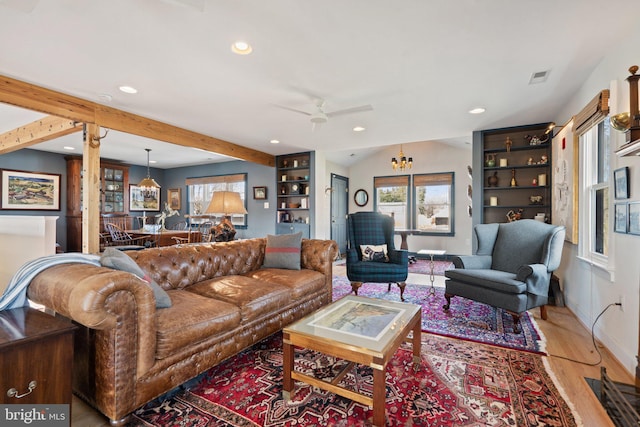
(148, 183)
(226, 202)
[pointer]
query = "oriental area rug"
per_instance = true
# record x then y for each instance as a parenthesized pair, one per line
(458, 383)
(465, 319)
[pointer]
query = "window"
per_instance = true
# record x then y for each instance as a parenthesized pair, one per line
(199, 191)
(433, 208)
(392, 198)
(595, 194)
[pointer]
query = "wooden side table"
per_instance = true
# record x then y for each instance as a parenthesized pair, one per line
(36, 357)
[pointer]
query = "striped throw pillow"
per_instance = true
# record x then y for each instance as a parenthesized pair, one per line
(283, 251)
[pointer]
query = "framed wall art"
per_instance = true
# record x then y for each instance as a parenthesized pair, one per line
(634, 218)
(621, 183)
(260, 193)
(22, 190)
(173, 196)
(621, 218)
(148, 200)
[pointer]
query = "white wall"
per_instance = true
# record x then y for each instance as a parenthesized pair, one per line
(429, 157)
(588, 289)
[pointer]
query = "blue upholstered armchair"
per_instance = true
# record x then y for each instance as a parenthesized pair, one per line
(511, 268)
(367, 229)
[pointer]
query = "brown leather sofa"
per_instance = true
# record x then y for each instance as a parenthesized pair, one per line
(127, 352)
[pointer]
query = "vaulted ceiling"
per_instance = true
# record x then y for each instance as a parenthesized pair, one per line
(420, 65)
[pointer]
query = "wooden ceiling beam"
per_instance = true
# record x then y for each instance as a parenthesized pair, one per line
(45, 129)
(26, 95)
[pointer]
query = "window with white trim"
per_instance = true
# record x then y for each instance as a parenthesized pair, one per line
(595, 193)
(199, 191)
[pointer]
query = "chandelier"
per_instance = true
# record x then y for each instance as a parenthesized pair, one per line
(148, 184)
(403, 163)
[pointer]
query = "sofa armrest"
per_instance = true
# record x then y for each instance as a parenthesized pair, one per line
(475, 262)
(319, 255)
(536, 277)
(399, 256)
(102, 299)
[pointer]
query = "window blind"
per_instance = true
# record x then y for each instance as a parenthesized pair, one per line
(218, 179)
(391, 181)
(592, 113)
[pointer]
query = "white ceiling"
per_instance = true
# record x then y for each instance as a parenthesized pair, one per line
(421, 64)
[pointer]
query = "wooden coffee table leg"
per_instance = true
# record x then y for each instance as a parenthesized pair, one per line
(417, 343)
(287, 365)
(379, 396)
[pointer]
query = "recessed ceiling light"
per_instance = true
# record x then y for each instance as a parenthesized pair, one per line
(241, 48)
(128, 89)
(358, 129)
(67, 147)
(274, 141)
(477, 110)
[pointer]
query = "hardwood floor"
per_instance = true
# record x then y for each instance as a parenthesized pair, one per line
(565, 336)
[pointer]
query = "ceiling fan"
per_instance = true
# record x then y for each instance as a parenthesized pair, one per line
(319, 116)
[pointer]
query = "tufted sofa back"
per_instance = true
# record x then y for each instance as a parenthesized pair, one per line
(176, 267)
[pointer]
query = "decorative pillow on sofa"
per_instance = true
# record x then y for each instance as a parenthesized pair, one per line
(283, 251)
(376, 253)
(118, 260)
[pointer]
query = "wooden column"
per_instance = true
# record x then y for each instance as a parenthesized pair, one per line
(91, 190)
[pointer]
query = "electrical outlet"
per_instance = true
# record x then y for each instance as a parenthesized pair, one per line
(621, 302)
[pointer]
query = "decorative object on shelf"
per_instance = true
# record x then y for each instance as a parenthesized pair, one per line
(260, 193)
(540, 217)
(542, 180)
(148, 183)
(283, 189)
(632, 130)
(534, 182)
(514, 183)
(514, 216)
(493, 201)
(294, 188)
(493, 179)
(295, 163)
(361, 197)
(30, 191)
(403, 163)
(491, 160)
(503, 163)
(621, 121)
(535, 199)
(544, 159)
(537, 140)
(508, 143)
(226, 203)
(530, 161)
(621, 183)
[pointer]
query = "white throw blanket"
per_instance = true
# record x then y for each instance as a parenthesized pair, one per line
(15, 295)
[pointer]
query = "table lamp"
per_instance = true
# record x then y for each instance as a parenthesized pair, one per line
(226, 203)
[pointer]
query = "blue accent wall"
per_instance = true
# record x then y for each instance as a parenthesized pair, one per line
(260, 221)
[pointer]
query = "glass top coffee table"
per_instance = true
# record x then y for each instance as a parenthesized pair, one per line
(360, 330)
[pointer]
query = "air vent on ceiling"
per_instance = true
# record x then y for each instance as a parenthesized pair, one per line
(539, 77)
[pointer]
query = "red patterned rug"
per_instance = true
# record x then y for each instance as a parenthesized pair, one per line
(459, 383)
(466, 319)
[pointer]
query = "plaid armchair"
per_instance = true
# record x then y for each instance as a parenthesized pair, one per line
(373, 228)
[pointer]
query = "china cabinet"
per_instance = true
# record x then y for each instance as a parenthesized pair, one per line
(114, 196)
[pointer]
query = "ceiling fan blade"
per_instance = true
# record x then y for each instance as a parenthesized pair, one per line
(292, 109)
(361, 108)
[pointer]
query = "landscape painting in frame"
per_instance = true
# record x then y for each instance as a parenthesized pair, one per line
(30, 190)
(139, 200)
